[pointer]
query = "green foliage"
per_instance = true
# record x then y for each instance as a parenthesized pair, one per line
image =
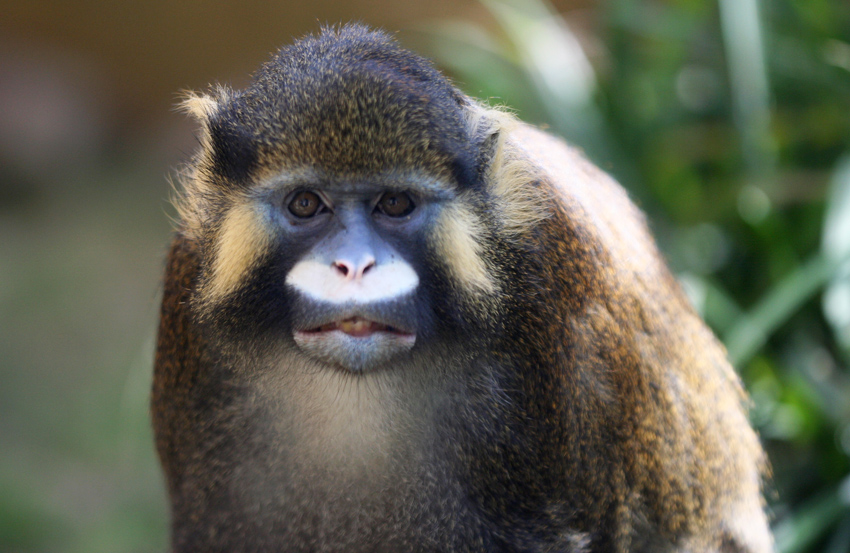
(727, 121)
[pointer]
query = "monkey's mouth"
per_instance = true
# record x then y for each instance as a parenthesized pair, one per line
(357, 327)
(354, 343)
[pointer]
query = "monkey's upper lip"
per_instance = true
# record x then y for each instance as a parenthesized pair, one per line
(357, 327)
(314, 320)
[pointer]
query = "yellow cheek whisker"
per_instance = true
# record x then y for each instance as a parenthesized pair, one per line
(458, 239)
(242, 240)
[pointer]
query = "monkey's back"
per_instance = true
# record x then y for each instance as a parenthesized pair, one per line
(691, 462)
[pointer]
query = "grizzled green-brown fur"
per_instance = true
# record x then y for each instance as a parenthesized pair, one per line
(355, 105)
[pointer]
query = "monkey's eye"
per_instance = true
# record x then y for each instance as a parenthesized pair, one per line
(395, 204)
(305, 204)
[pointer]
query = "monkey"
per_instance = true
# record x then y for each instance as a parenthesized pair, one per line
(397, 319)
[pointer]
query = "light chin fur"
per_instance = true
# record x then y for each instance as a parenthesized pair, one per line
(355, 354)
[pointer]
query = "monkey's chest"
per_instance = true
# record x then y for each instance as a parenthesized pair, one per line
(323, 464)
(324, 491)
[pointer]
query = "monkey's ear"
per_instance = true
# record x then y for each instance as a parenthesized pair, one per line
(202, 107)
(509, 174)
(193, 187)
(489, 127)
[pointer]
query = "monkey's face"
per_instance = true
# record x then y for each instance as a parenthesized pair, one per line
(351, 272)
(353, 282)
(340, 213)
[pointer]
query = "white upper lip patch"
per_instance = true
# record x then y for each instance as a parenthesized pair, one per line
(323, 282)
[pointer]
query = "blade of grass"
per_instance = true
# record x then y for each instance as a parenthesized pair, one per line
(742, 34)
(835, 244)
(750, 333)
(555, 62)
(565, 82)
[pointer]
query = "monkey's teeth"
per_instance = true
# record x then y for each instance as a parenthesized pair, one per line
(355, 326)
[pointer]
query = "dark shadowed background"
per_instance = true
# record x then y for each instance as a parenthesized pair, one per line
(727, 120)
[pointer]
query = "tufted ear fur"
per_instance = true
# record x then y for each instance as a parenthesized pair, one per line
(203, 108)
(200, 106)
(511, 175)
(191, 190)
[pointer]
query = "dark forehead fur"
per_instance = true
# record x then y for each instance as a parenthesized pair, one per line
(348, 101)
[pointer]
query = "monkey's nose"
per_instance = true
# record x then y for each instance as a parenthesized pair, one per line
(354, 271)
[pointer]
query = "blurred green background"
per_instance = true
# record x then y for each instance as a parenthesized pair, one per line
(727, 120)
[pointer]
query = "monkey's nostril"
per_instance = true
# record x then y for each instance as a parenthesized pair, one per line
(342, 267)
(364, 265)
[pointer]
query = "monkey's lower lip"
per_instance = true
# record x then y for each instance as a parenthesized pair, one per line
(354, 343)
(357, 327)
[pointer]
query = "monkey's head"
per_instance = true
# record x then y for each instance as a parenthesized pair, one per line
(337, 202)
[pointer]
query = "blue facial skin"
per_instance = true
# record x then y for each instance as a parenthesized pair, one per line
(350, 231)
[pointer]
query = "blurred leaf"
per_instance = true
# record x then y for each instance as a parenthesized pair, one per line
(840, 541)
(487, 68)
(549, 50)
(711, 301)
(753, 329)
(817, 377)
(836, 246)
(556, 63)
(811, 520)
(742, 33)
(836, 228)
